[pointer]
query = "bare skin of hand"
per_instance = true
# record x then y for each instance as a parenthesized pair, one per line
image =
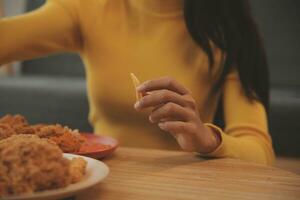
(175, 111)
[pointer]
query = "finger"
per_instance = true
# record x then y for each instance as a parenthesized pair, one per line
(171, 112)
(162, 120)
(188, 101)
(183, 132)
(176, 127)
(162, 83)
(158, 98)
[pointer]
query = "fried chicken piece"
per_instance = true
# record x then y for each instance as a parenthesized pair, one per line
(6, 131)
(77, 169)
(68, 142)
(24, 130)
(46, 131)
(14, 120)
(14, 124)
(29, 163)
(67, 139)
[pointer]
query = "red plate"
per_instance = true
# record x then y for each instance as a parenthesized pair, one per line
(98, 146)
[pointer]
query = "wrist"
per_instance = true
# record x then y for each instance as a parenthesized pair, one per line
(213, 139)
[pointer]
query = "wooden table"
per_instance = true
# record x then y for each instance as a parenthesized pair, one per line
(290, 164)
(154, 174)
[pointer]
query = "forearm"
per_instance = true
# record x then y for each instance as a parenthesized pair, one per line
(47, 30)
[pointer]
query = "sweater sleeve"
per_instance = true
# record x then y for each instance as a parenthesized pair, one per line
(50, 29)
(246, 131)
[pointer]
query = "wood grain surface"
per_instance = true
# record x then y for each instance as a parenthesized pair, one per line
(289, 164)
(155, 174)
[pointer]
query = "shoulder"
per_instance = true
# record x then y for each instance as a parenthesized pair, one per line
(79, 8)
(78, 4)
(84, 6)
(71, 6)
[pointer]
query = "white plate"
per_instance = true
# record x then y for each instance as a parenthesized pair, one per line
(96, 171)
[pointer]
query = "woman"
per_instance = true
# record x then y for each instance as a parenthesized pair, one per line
(190, 53)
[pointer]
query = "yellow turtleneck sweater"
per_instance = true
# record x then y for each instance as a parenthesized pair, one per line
(148, 38)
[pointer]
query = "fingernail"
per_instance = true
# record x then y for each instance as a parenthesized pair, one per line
(137, 105)
(150, 119)
(140, 88)
(161, 125)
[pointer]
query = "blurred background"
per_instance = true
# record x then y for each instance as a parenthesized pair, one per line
(52, 89)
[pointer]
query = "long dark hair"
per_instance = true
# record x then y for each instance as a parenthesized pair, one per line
(230, 26)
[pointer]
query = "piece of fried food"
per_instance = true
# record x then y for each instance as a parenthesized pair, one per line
(136, 82)
(77, 169)
(47, 131)
(14, 124)
(29, 163)
(25, 129)
(6, 131)
(68, 140)
(14, 120)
